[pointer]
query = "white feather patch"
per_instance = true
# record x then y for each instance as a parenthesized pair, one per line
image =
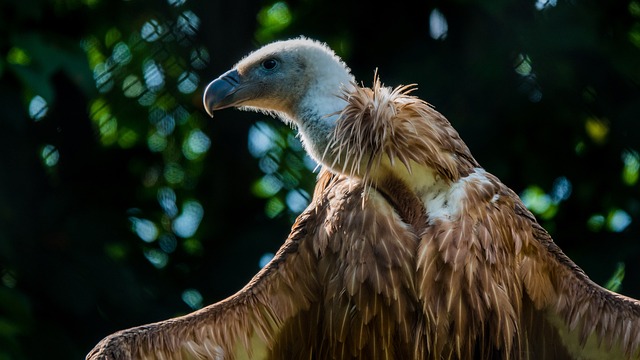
(445, 202)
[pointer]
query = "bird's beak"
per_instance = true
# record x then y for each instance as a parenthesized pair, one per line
(219, 94)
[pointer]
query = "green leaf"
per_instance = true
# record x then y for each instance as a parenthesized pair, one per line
(615, 282)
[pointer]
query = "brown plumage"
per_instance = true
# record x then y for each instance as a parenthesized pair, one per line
(408, 250)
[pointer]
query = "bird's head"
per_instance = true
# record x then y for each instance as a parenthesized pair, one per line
(282, 78)
(299, 80)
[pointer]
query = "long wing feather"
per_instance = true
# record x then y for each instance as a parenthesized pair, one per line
(342, 286)
(244, 325)
(592, 322)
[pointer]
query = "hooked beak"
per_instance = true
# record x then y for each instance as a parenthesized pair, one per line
(219, 94)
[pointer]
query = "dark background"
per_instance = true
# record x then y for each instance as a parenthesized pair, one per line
(122, 203)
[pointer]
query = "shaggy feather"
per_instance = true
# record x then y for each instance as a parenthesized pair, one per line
(408, 250)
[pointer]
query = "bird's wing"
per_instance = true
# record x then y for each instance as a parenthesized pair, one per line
(342, 285)
(494, 284)
(243, 326)
(590, 321)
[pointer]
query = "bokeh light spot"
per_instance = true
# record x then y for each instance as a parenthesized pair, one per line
(102, 75)
(276, 16)
(200, 58)
(273, 19)
(167, 200)
(165, 123)
(188, 23)
(264, 259)
(561, 189)
(196, 144)
(132, 86)
(618, 220)
(267, 186)
(596, 222)
(269, 164)
(274, 207)
(535, 199)
(438, 26)
(193, 298)
(157, 142)
(153, 75)
(18, 56)
(50, 155)
(157, 258)
(152, 30)
(539, 202)
(38, 108)
(121, 54)
(261, 139)
(168, 243)
(597, 129)
(144, 228)
(173, 173)
(297, 200)
(543, 4)
(112, 36)
(631, 169)
(187, 223)
(523, 65)
(188, 82)
(127, 138)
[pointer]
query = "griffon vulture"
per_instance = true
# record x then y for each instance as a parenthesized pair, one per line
(408, 250)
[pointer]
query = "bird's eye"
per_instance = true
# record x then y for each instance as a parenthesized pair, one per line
(269, 64)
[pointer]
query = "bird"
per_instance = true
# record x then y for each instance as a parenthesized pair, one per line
(409, 249)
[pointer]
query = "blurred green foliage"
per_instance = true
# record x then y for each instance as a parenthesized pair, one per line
(121, 203)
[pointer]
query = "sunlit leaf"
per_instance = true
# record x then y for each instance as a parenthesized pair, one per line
(193, 246)
(272, 20)
(615, 282)
(274, 207)
(631, 169)
(18, 56)
(112, 36)
(597, 129)
(267, 186)
(132, 86)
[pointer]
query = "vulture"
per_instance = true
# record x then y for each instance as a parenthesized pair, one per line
(409, 249)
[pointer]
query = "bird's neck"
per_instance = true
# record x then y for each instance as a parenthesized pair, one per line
(315, 133)
(316, 122)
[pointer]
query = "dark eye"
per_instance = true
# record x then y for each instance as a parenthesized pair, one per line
(269, 64)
